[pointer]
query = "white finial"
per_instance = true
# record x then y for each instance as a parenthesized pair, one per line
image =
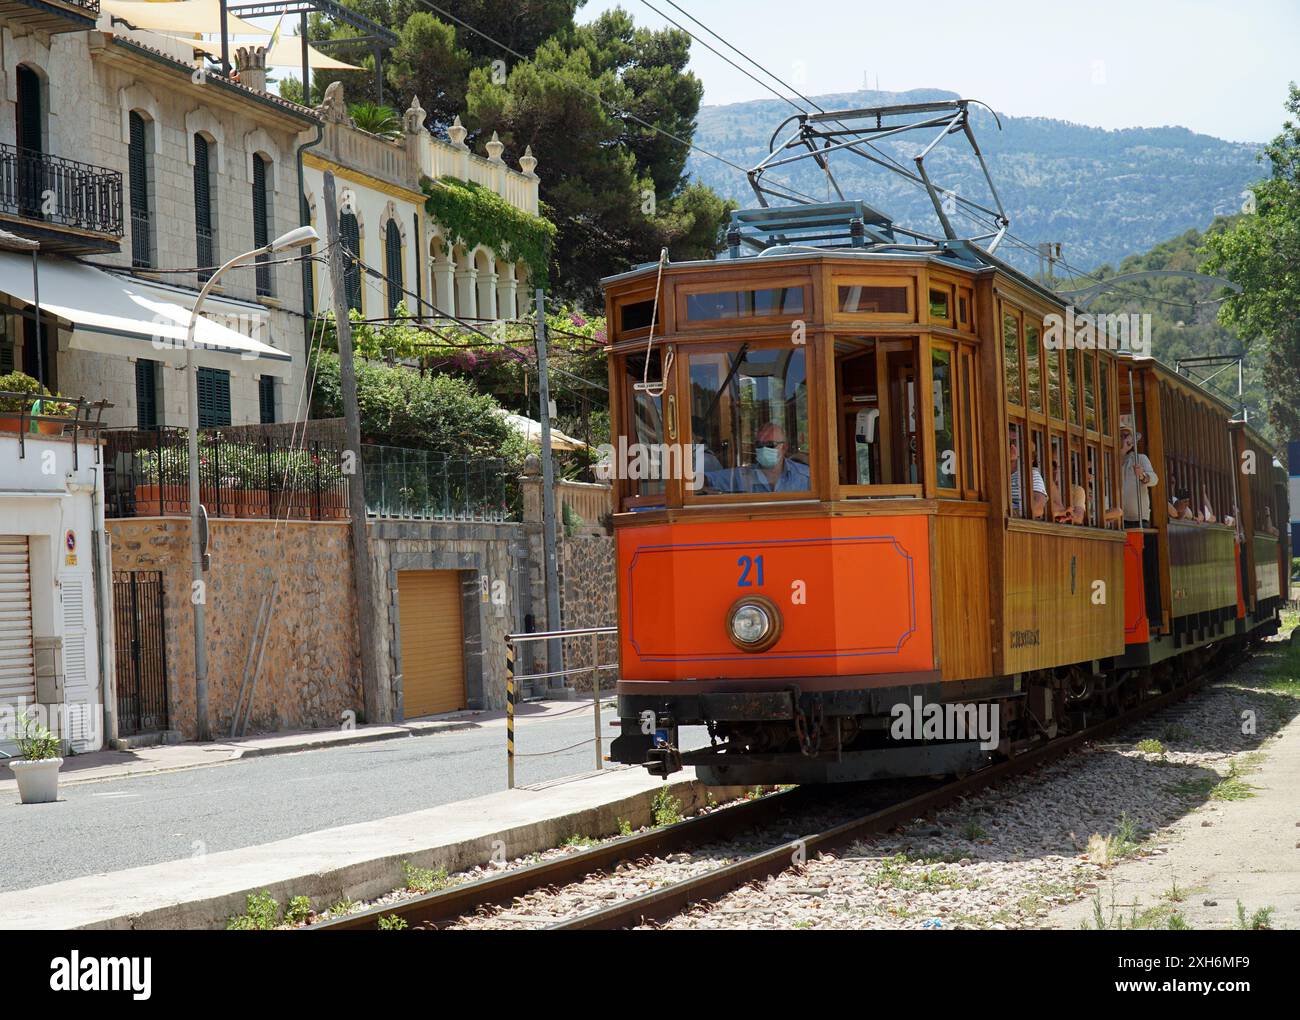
(495, 148)
(457, 133)
(528, 162)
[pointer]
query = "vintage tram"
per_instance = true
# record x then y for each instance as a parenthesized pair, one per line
(871, 474)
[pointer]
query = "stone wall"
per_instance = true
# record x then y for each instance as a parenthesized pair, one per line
(309, 674)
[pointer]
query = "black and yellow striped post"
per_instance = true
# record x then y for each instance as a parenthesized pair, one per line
(510, 714)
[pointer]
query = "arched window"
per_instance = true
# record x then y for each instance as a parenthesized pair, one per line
(138, 171)
(204, 179)
(350, 235)
(261, 223)
(393, 266)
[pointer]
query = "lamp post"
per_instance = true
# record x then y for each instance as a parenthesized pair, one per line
(297, 238)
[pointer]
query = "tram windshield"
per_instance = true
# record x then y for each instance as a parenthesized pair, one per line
(749, 420)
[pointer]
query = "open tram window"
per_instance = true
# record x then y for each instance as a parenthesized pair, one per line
(1057, 509)
(1038, 465)
(877, 415)
(645, 428)
(858, 412)
(1077, 501)
(749, 420)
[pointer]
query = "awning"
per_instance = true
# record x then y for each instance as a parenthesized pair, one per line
(184, 17)
(287, 52)
(531, 430)
(99, 302)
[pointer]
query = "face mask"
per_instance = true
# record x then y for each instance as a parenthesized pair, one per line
(767, 456)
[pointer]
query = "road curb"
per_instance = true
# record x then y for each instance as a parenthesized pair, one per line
(361, 738)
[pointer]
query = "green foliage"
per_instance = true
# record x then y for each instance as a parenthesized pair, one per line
(1150, 746)
(624, 827)
(577, 842)
(1260, 920)
(471, 215)
(424, 880)
(20, 382)
(1261, 253)
(665, 809)
(298, 911)
(401, 407)
(35, 741)
(377, 119)
(391, 922)
(261, 913)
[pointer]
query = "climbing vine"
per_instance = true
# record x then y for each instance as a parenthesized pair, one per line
(472, 215)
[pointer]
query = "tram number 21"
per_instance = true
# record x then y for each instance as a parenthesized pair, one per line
(750, 566)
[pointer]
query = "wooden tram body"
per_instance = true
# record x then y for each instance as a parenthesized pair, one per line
(900, 564)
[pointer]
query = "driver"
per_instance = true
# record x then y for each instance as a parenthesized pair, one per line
(772, 471)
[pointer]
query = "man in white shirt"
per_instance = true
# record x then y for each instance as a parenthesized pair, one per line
(1139, 478)
(1038, 488)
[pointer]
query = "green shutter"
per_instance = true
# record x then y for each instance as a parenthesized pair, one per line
(350, 235)
(393, 257)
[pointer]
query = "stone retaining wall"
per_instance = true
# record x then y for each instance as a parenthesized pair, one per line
(309, 674)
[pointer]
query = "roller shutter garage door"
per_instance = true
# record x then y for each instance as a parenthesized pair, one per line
(17, 667)
(433, 650)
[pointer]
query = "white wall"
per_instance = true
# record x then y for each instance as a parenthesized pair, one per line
(44, 497)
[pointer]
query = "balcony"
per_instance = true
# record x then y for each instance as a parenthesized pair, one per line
(52, 16)
(70, 207)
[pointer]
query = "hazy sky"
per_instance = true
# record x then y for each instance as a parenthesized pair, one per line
(1218, 68)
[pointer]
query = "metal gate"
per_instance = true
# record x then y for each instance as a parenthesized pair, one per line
(140, 641)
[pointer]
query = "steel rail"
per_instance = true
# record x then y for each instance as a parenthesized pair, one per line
(449, 904)
(668, 901)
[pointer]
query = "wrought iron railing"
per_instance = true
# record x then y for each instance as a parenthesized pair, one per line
(206, 252)
(86, 5)
(263, 272)
(243, 472)
(38, 186)
(423, 485)
(141, 240)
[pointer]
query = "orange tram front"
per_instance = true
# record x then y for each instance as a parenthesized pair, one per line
(871, 516)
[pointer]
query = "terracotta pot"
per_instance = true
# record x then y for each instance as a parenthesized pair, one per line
(38, 781)
(13, 423)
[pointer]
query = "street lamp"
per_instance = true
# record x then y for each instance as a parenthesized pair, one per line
(297, 238)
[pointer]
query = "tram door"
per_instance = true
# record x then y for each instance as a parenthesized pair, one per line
(900, 367)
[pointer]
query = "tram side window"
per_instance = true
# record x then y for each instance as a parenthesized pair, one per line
(749, 420)
(945, 423)
(646, 424)
(1028, 492)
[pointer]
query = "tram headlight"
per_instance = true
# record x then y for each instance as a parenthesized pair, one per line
(754, 623)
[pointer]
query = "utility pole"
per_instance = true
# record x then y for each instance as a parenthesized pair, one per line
(555, 646)
(376, 694)
(1049, 252)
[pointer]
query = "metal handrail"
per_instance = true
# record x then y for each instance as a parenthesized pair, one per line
(594, 669)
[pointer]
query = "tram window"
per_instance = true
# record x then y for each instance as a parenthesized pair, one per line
(1077, 504)
(1055, 492)
(964, 299)
(859, 413)
(635, 315)
(647, 416)
(941, 304)
(1011, 357)
(1090, 389)
(1091, 487)
(1033, 367)
(971, 440)
(1025, 481)
(945, 423)
(1108, 485)
(858, 300)
(744, 304)
(749, 412)
(1038, 461)
(1055, 407)
(1072, 385)
(1103, 391)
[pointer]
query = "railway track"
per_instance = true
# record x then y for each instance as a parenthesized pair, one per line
(447, 907)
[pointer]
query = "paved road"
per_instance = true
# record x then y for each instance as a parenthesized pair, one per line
(129, 822)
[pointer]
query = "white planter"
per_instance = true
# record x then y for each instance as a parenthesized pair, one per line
(38, 781)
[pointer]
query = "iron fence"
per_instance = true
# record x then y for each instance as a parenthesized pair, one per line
(242, 473)
(39, 186)
(424, 485)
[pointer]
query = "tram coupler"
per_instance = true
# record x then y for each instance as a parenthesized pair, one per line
(663, 761)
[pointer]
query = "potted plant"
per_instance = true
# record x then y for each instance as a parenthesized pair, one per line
(12, 408)
(38, 771)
